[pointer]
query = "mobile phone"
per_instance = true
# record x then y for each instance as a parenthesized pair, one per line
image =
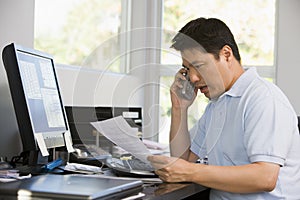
(188, 89)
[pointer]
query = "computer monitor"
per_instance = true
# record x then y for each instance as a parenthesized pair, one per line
(36, 98)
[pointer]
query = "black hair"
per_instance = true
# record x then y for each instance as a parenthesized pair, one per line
(210, 34)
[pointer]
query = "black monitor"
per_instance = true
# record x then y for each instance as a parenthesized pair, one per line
(36, 98)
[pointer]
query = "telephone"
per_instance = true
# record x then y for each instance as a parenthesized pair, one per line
(187, 91)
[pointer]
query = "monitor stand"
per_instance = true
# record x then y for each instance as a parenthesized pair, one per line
(36, 158)
(34, 163)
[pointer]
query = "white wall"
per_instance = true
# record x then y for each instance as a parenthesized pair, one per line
(288, 53)
(92, 87)
(16, 24)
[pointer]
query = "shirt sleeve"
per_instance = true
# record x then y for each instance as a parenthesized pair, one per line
(268, 129)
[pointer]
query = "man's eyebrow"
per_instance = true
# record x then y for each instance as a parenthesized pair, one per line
(196, 62)
(192, 64)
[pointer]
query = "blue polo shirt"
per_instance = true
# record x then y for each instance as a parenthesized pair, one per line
(251, 122)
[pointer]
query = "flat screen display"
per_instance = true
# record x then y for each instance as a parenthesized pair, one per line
(36, 97)
(41, 93)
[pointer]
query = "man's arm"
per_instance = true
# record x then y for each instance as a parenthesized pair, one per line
(179, 135)
(255, 177)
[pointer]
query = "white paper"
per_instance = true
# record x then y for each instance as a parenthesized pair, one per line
(119, 132)
(68, 141)
(41, 143)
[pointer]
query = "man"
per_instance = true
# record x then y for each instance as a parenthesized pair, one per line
(249, 129)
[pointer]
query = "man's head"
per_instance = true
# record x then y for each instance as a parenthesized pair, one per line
(210, 54)
(211, 34)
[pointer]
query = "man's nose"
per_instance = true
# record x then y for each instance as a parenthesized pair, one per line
(194, 77)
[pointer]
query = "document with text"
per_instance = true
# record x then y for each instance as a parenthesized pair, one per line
(122, 134)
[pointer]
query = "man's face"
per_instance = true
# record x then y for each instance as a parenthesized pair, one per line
(210, 76)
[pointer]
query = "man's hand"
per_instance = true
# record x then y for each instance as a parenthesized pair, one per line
(177, 101)
(172, 169)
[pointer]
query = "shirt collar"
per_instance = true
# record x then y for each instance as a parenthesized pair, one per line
(242, 83)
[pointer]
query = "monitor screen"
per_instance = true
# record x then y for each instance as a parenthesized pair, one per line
(41, 93)
(36, 96)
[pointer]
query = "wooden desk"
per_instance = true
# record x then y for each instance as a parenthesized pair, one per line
(169, 190)
(151, 190)
(176, 191)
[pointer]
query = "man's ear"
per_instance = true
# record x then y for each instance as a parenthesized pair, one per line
(226, 51)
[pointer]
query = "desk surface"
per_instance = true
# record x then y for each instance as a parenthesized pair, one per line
(156, 190)
(176, 191)
(168, 190)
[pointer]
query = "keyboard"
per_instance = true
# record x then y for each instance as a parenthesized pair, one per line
(135, 164)
(130, 167)
(122, 167)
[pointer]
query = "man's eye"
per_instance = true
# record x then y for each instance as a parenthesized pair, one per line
(199, 66)
(186, 68)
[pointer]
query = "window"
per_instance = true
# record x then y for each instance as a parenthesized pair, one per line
(84, 33)
(253, 25)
